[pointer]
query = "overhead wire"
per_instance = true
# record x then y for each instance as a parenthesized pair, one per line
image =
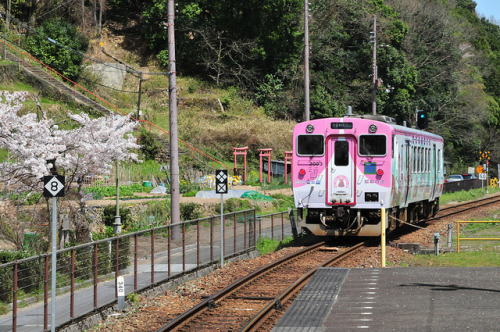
(54, 9)
(129, 69)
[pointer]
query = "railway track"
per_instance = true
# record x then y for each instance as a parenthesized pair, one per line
(245, 304)
(467, 206)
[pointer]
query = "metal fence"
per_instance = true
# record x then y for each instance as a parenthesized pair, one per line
(87, 273)
(474, 238)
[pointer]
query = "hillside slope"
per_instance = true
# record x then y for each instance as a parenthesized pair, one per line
(212, 119)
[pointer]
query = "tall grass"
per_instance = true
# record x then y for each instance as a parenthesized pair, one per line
(464, 196)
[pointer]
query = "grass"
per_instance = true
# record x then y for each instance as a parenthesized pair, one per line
(472, 253)
(267, 245)
(464, 196)
(486, 257)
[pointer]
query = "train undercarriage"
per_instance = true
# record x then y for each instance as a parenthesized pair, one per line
(347, 221)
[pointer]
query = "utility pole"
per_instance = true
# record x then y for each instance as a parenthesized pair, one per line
(139, 97)
(374, 74)
(7, 27)
(174, 144)
(306, 61)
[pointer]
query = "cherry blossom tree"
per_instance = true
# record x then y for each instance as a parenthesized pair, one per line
(38, 147)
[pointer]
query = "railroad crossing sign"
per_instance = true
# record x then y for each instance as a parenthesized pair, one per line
(482, 176)
(479, 169)
(221, 181)
(53, 186)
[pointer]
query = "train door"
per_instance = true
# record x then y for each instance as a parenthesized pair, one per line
(407, 171)
(341, 173)
(434, 170)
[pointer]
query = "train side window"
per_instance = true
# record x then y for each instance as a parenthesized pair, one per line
(421, 160)
(414, 157)
(429, 160)
(372, 145)
(341, 153)
(310, 145)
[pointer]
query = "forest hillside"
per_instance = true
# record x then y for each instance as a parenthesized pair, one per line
(240, 64)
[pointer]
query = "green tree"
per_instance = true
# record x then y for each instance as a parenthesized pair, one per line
(229, 41)
(57, 44)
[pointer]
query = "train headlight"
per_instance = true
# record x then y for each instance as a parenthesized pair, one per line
(372, 129)
(380, 172)
(310, 128)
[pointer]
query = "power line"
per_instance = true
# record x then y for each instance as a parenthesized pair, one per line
(27, 27)
(50, 11)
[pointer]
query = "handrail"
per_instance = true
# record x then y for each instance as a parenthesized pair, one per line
(472, 238)
(142, 122)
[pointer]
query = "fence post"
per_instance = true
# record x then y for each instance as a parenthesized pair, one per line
(136, 238)
(198, 242)
(46, 295)
(14, 299)
(282, 227)
(272, 226)
(117, 265)
(168, 247)
(211, 238)
(235, 234)
(223, 235)
(153, 255)
(95, 275)
(72, 294)
(245, 231)
(183, 247)
(255, 237)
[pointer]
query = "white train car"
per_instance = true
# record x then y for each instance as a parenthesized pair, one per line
(346, 169)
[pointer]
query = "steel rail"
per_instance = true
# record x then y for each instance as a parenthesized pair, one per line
(258, 319)
(210, 301)
(465, 206)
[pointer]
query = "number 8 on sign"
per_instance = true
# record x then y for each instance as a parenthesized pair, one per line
(53, 186)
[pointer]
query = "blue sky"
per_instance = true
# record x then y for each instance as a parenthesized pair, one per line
(488, 8)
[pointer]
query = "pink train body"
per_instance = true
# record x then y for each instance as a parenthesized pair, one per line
(345, 170)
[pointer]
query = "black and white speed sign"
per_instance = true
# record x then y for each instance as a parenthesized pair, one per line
(53, 186)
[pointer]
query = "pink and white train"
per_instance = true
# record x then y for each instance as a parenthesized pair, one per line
(346, 169)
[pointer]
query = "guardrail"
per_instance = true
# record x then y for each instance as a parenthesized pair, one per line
(87, 273)
(471, 238)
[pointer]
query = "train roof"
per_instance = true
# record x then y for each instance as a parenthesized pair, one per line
(392, 122)
(382, 119)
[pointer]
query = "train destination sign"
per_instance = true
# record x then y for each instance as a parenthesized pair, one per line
(341, 125)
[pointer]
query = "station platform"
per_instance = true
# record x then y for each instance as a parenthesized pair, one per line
(397, 299)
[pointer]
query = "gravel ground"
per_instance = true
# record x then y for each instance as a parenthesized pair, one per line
(148, 314)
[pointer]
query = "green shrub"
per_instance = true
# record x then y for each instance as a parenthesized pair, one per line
(235, 204)
(109, 214)
(150, 147)
(30, 273)
(66, 60)
(190, 211)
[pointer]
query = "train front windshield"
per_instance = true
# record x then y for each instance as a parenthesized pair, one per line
(372, 145)
(310, 145)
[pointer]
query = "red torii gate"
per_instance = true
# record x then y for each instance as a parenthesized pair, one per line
(241, 152)
(265, 153)
(288, 156)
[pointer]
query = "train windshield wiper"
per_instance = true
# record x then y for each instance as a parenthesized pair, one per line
(367, 152)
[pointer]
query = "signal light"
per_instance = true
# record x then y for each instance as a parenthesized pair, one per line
(302, 171)
(380, 172)
(422, 119)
